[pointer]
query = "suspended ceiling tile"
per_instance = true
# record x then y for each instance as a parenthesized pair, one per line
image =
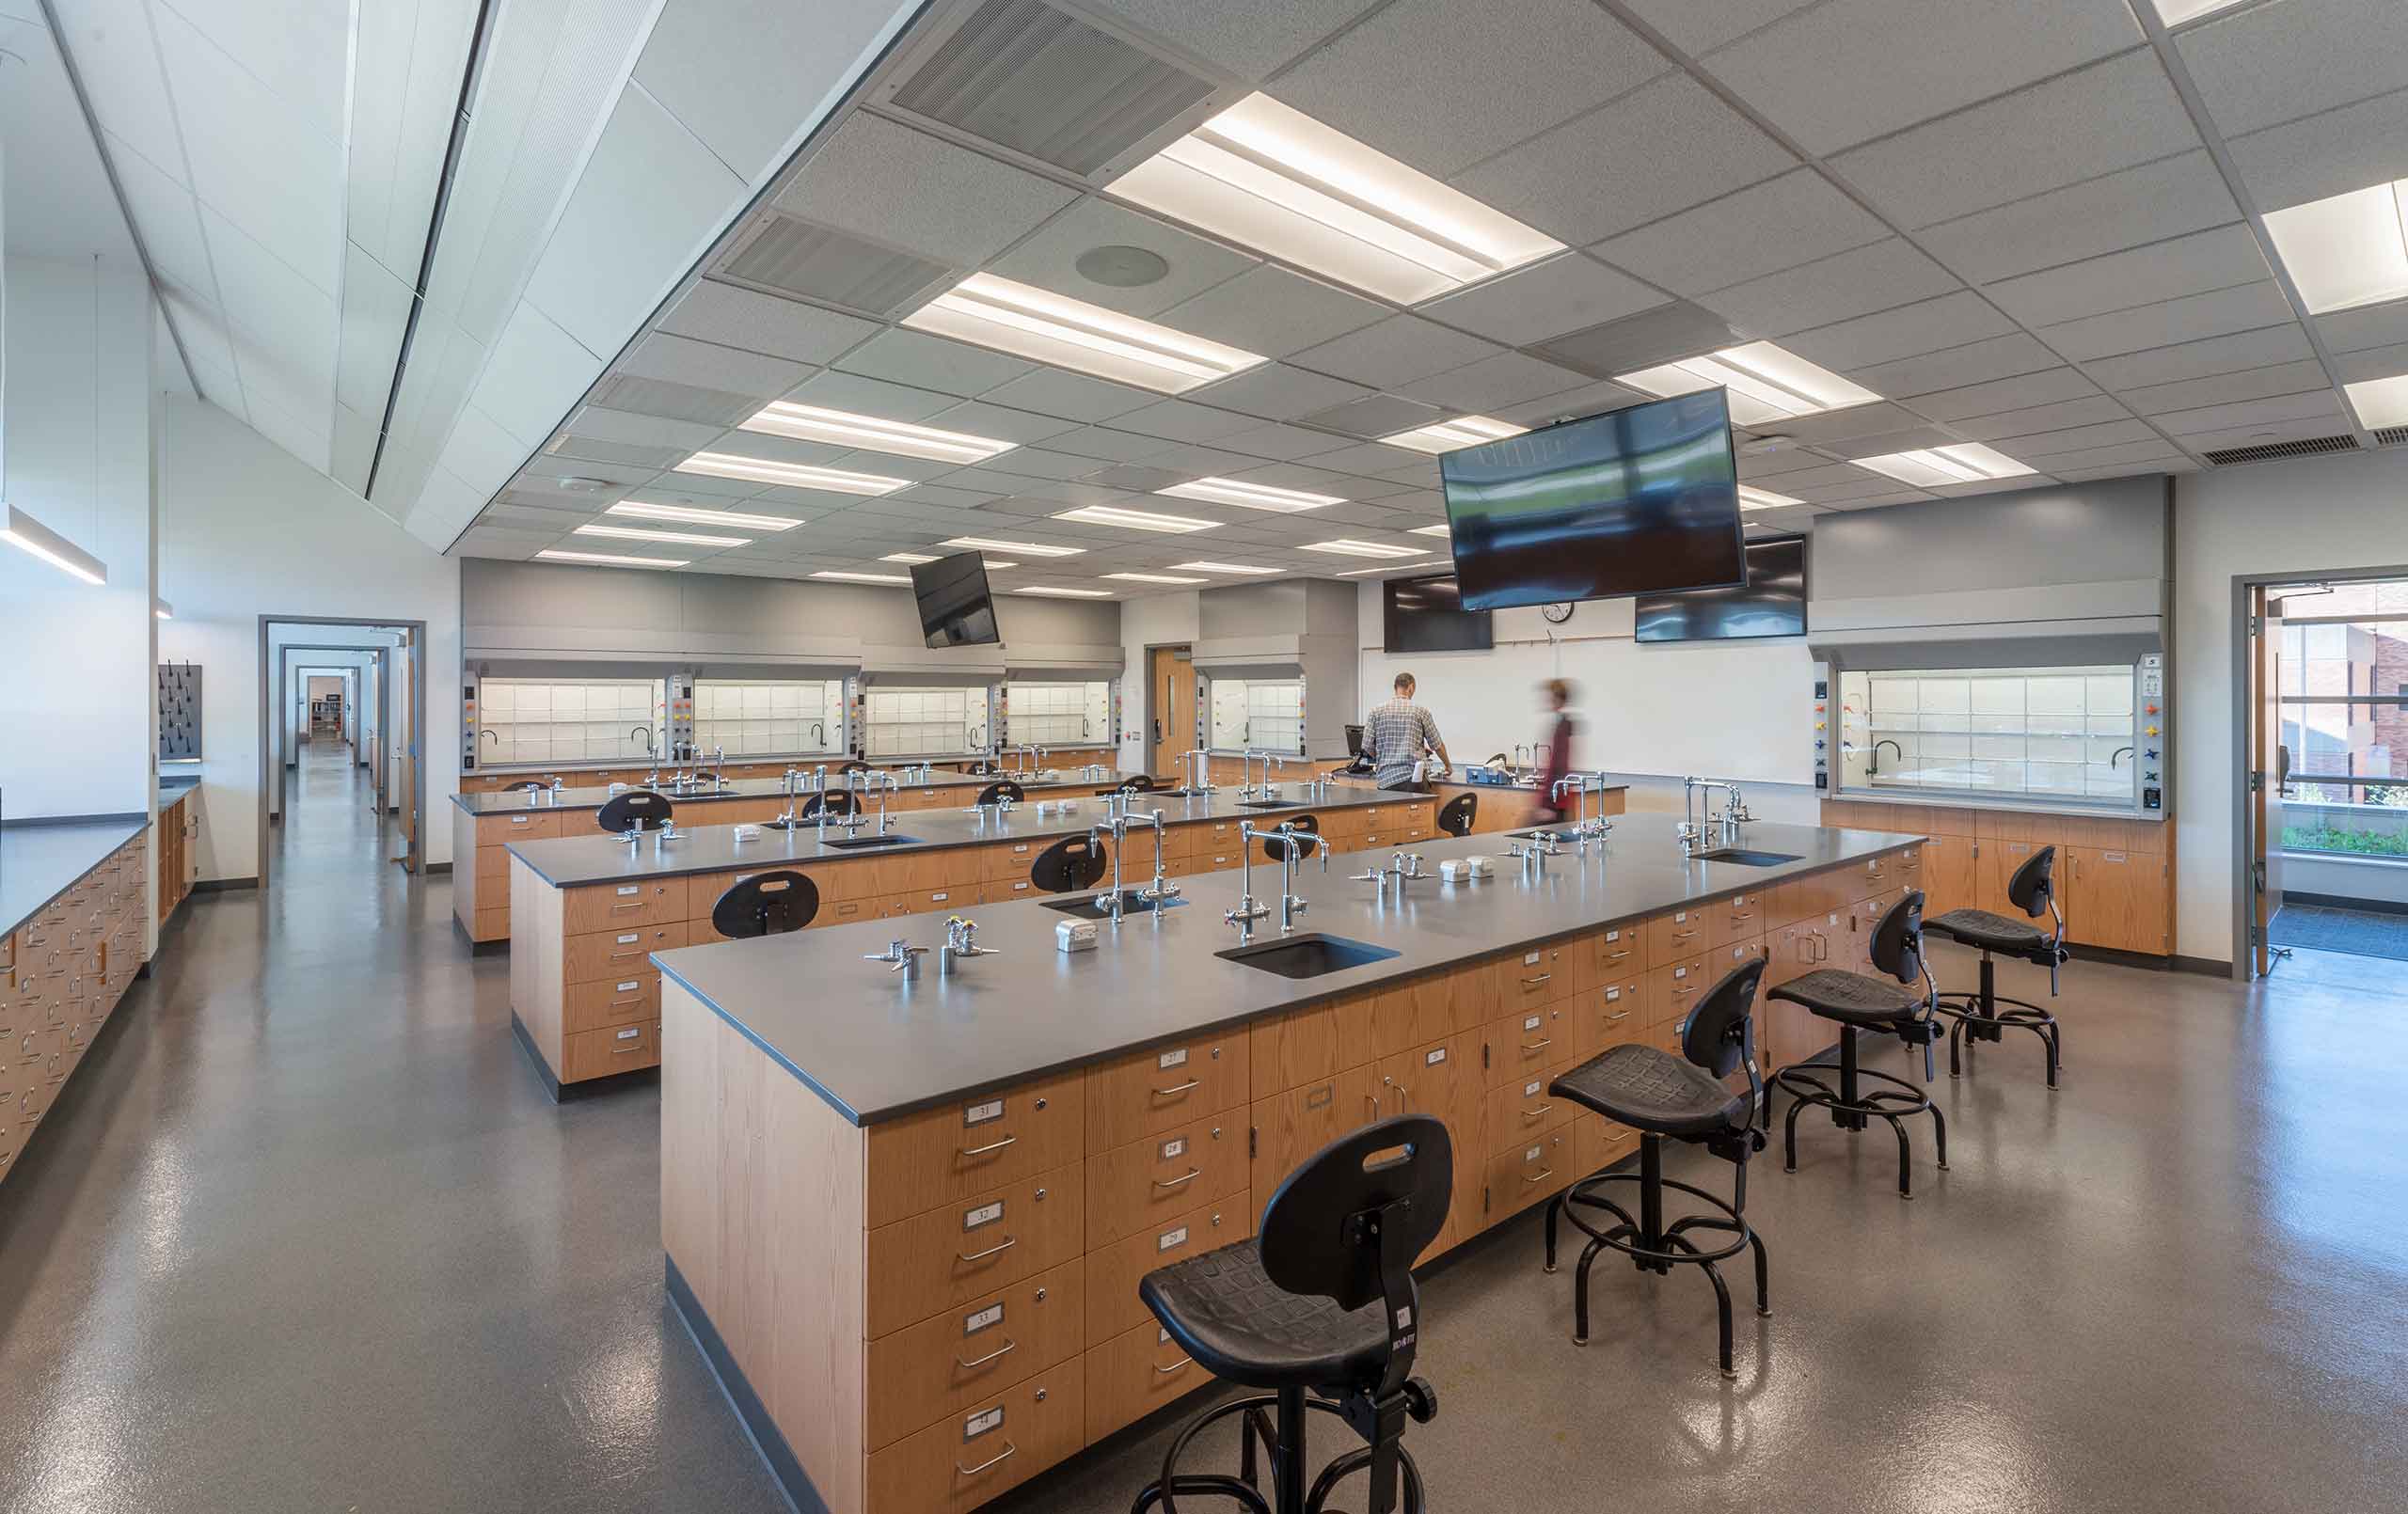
(2319, 156)
(407, 61)
(2371, 325)
(273, 309)
(2021, 391)
(1395, 351)
(2321, 406)
(683, 360)
(673, 402)
(2150, 203)
(1833, 289)
(1281, 443)
(747, 79)
(1780, 223)
(981, 418)
(2197, 359)
(1071, 396)
(2192, 264)
(167, 216)
(869, 397)
(375, 309)
(2372, 363)
(963, 208)
(2216, 313)
(2264, 435)
(628, 429)
(2127, 455)
(1106, 444)
(1273, 311)
(732, 317)
(1695, 28)
(927, 362)
(1037, 463)
(2224, 389)
(1933, 325)
(1275, 391)
(353, 449)
(1507, 378)
(2266, 64)
(112, 44)
(2163, 463)
(2092, 410)
(1049, 259)
(1180, 420)
(1566, 292)
(2039, 445)
(1589, 399)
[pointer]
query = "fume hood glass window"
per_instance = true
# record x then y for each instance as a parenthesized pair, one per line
(917, 722)
(770, 717)
(2021, 733)
(1058, 715)
(1265, 714)
(567, 720)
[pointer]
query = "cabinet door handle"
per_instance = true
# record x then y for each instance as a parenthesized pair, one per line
(1192, 1173)
(1179, 1088)
(1008, 1348)
(1179, 1366)
(1540, 1177)
(1539, 1045)
(1623, 1015)
(991, 1147)
(1533, 983)
(1538, 1113)
(1010, 1450)
(1009, 1242)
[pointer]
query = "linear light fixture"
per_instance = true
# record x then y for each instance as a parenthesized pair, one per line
(646, 510)
(1251, 496)
(792, 475)
(631, 533)
(1347, 546)
(1751, 497)
(2348, 250)
(1440, 529)
(1765, 383)
(1136, 520)
(1035, 549)
(161, 610)
(1937, 467)
(1387, 567)
(1239, 568)
(2175, 12)
(611, 559)
(992, 564)
(1156, 578)
(810, 423)
(866, 577)
(1049, 328)
(1273, 178)
(1063, 593)
(2380, 403)
(1450, 435)
(33, 537)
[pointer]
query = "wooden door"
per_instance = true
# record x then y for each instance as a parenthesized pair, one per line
(1948, 874)
(2119, 897)
(1170, 708)
(2270, 772)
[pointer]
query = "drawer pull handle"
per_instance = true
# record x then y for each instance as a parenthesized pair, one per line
(1009, 1242)
(1621, 1015)
(627, 1050)
(1179, 1088)
(1539, 1045)
(989, 1148)
(1179, 1366)
(1192, 1173)
(997, 1355)
(1538, 1113)
(1743, 914)
(637, 905)
(1533, 983)
(993, 1461)
(636, 1000)
(1540, 1177)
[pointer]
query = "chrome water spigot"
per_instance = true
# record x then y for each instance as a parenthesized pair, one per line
(899, 956)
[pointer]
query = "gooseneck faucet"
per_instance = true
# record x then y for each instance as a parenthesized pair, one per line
(1199, 770)
(1872, 764)
(1694, 823)
(1248, 908)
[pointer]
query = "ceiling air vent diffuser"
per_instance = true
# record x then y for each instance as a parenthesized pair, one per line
(2231, 455)
(1025, 76)
(2391, 435)
(795, 257)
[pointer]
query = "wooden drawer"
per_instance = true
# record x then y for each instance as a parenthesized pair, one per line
(1616, 952)
(1600, 1143)
(604, 1002)
(1672, 989)
(1008, 861)
(1114, 1271)
(1427, 1008)
(601, 1053)
(1134, 1374)
(922, 901)
(1530, 1170)
(615, 906)
(1677, 934)
(1608, 1015)
(1008, 890)
(832, 912)
(1217, 859)
(1738, 917)
(944, 1365)
(1291, 1126)
(1309, 1045)
(617, 954)
(1539, 976)
(1731, 953)
(1136, 1187)
(493, 866)
(1516, 1113)
(934, 1261)
(970, 1457)
(1146, 1093)
(990, 1140)
(1529, 1040)
(953, 867)
(533, 825)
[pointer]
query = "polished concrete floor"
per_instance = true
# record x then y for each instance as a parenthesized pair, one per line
(306, 1235)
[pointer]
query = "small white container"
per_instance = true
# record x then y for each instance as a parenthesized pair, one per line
(1075, 935)
(745, 833)
(1068, 807)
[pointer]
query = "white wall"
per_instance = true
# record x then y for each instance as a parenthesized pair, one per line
(1157, 620)
(78, 706)
(2306, 515)
(248, 531)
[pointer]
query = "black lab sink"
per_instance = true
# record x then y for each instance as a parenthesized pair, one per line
(852, 844)
(1084, 904)
(1306, 956)
(1744, 857)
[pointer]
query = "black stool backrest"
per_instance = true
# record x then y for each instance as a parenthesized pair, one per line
(1138, 783)
(1897, 940)
(1275, 850)
(2035, 883)
(1455, 816)
(835, 802)
(854, 765)
(522, 786)
(766, 904)
(1720, 1032)
(1000, 790)
(1069, 864)
(636, 807)
(1347, 1228)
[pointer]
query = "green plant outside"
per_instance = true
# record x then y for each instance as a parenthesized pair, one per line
(2325, 839)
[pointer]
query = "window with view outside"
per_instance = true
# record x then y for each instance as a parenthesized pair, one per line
(2345, 720)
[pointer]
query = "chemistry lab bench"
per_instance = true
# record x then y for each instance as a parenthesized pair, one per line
(907, 1215)
(605, 771)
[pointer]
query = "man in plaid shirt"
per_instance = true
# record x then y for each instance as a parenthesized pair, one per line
(1399, 731)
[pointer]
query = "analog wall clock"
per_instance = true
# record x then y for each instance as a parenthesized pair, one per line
(1557, 612)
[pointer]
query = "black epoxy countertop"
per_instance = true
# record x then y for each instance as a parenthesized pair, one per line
(507, 802)
(875, 1045)
(39, 863)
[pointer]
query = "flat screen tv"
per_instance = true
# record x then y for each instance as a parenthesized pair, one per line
(956, 609)
(1635, 501)
(1771, 603)
(1428, 615)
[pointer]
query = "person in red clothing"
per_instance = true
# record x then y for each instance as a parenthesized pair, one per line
(1554, 694)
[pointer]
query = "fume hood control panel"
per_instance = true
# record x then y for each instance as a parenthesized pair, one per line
(2154, 724)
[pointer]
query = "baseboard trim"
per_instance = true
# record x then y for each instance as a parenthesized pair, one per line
(2343, 900)
(2118, 957)
(223, 885)
(786, 1469)
(2206, 966)
(562, 1092)
(435, 867)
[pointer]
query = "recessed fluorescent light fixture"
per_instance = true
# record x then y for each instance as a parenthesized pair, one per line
(1448, 435)
(1937, 467)
(792, 475)
(1136, 520)
(161, 610)
(1009, 317)
(609, 560)
(646, 510)
(1064, 594)
(1440, 529)
(1274, 179)
(1239, 568)
(1251, 496)
(1156, 578)
(992, 564)
(810, 423)
(866, 577)
(1765, 383)
(2175, 12)
(33, 537)
(631, 533)
(2346, 251)
(2380, 403)
(1751, 497)
(1034, 549)
(1346, 547)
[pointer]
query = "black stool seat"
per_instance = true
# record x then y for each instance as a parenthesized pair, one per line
(1850, 998)
(1652, 1090)
(1225, 1311)
(1994, 933)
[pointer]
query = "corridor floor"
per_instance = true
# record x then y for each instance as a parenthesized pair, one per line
(305, 1234)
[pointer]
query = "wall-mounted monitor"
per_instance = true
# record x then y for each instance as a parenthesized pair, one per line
(1635, 501)
(956, 608)
(1428, 615)
(1771, 603)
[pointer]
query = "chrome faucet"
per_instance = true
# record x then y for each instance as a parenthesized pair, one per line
(1872, 764)
(1199, 770)
(650, 748)
(891, 785)
(899, 956)
(1534, 852)
(1692, 833)
(1249, 908)
(961, 945)
(2113, 757)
